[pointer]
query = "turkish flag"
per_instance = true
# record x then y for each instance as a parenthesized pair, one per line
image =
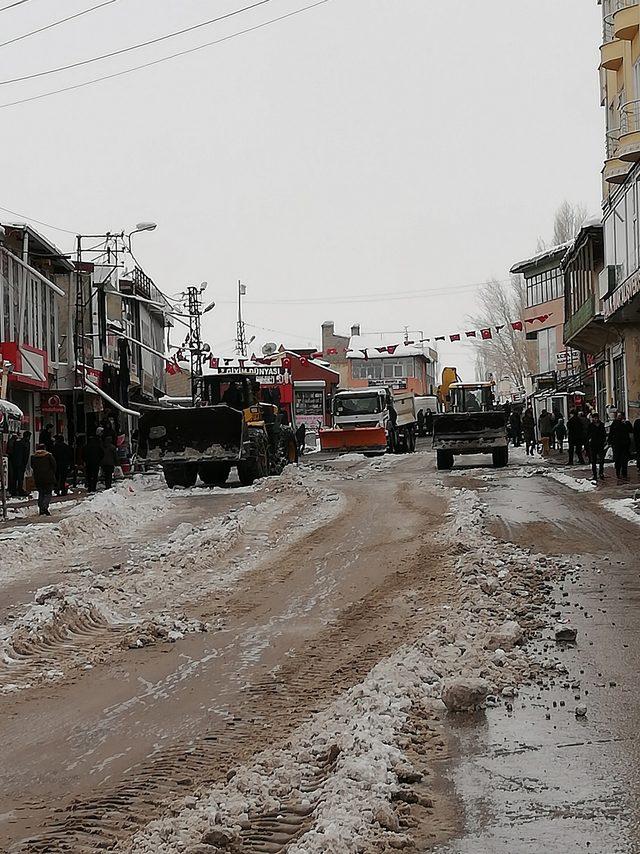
(332, 351)
(172, 368)
(454, 337)
(517, 325)
(543, 318)
(213, 362)
(304, 361)
(470, 334)
(392, 349)
(486, 334)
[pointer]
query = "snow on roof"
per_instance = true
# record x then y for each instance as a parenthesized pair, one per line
(547, 255)
(10, 409)
(373, 340)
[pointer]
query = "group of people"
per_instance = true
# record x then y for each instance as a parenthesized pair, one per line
(586, 434)
(52, 461)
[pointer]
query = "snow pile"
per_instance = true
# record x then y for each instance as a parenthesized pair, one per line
(350, 751)
(578, 484)
(96, 520)
(626, 508)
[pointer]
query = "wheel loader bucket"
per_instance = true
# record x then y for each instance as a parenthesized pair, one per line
(355, 440)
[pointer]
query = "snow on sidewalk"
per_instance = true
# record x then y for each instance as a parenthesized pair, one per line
(626, 508)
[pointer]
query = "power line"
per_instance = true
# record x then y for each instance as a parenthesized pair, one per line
(39, 222)
(165, 58)
(57, 23)
(134, 46)
(12, 5)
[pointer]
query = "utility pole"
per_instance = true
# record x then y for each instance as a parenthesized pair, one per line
(241, 343)
(195, 340)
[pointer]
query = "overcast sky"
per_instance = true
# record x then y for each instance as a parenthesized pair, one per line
(332, 161)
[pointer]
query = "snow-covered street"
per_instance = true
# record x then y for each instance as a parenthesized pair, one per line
(343, 658)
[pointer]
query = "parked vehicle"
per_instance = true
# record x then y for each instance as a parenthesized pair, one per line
(470, 426)
(229, 427)
(371, 420)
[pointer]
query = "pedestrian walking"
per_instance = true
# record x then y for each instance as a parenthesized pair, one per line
(62, 456)
(636, 440)
(515, 428)
(584, 420)
(43, 466)
(18, 459)
(46, 438)
(575, 435)
(560, 431)
(93, 452)
(109, 461)
(529, 430)
(545, 428)
(619, 439)
(421, 430)
(597, 441)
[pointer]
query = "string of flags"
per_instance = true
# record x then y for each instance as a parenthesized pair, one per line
(486, 334)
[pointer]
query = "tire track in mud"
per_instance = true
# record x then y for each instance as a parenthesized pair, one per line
(333, 661)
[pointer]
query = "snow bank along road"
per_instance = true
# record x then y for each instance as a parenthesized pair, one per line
(257, 670)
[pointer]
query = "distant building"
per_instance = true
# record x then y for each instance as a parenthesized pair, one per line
(544, 319)
(375, 359)
(334, 349)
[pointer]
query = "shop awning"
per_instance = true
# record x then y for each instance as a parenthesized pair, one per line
(10, 409)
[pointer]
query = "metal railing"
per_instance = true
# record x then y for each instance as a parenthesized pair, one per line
(607, 29)
(610, 7)
(612, 143)
(630, 117)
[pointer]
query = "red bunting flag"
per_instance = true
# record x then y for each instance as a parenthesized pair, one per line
(543, 318)
(486, 334)
(213, 362)
(517, 325)
(470, 334)
(171, 368)
(454, 337)
(332, 351)
(304, 361)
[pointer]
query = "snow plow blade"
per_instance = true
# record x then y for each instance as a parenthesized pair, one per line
(358, 440)
(209, 433)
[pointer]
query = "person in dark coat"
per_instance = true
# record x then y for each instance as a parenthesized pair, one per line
(421, 430)
(636, 440)
(45, 438)
(109, 461)
(43, 466)
(560, 431)
(18, 459)
(575, 434)
(12, 441)
(62, 456)
(529, 430)
(515, 428)
(620, 434)
(582, 417)
(93, 452)
(597, 441)
(428, 422)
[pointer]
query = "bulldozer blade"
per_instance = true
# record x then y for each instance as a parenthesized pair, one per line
(356, 440)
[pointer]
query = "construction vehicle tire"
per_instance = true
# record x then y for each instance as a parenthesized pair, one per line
(214, 474)
(180, 474)
(500, 457)
(444, 460)
(257, 464)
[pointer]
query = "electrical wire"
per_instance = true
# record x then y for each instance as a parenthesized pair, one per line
(123, 50)
(39, 222)
(12, 5)
(165, 58)
(57, 23)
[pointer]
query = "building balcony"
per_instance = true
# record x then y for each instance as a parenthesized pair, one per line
(628, 142)
(615, 170)
(612, 55)
(626, 20)
(585, 330)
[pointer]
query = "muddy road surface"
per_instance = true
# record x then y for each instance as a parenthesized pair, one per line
(260, 669)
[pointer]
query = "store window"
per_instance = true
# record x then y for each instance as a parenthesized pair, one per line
(547, 350)
(310, 402)
(379, 369)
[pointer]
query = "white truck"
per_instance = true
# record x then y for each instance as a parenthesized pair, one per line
(372, 420)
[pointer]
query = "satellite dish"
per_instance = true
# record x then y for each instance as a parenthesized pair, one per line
(269, 349)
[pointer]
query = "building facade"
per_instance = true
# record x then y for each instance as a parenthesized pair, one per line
(619, 283)
(373, 361)
(555, 364)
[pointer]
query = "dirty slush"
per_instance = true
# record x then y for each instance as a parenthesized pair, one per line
(358, 655)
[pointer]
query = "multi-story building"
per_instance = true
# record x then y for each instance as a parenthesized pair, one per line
(34, 283)
(378, 359)
(544, 318)
(619, 284)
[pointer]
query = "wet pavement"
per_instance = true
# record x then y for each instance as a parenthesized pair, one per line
(538, 777)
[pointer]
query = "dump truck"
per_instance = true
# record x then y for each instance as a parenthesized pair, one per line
(471, 425)
(371, 421)
(228, 427)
